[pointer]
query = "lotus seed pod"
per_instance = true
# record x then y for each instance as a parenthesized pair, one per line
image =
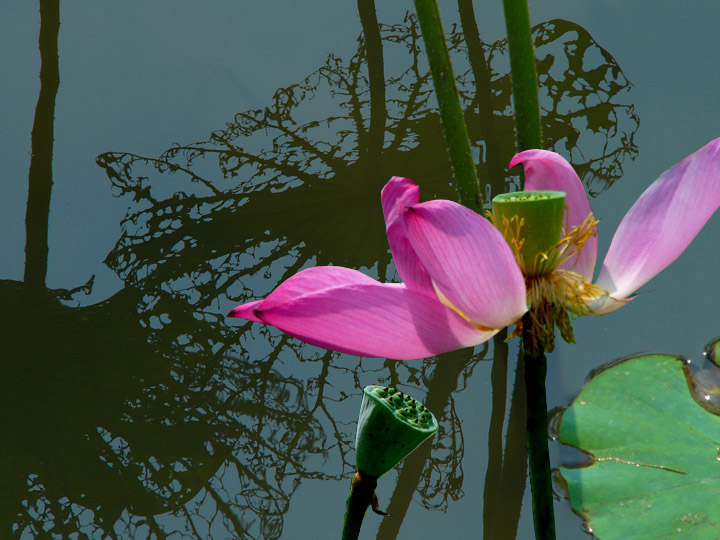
(542, 214)
(391, 425)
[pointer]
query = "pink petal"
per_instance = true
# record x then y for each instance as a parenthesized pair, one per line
(310, 280)
(606, 304)
(374, 320)
(469, 262)
(663, 222)
(344, 310)
(246, 311)
(548, 171)
(398, 194)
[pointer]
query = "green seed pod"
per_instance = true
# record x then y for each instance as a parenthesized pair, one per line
(389, 429)
(542, 214)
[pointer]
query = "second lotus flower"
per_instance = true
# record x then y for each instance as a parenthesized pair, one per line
(462, 280)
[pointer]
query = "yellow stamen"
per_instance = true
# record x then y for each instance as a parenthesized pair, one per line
(511, 230)
(573, 242)
(551, 291)
(444, 300)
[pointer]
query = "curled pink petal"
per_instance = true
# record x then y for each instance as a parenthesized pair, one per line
(398, 194)
(374, 320)
(663, 222)
(548, 171)
(469, 262)
(246, 311)
(606, 304)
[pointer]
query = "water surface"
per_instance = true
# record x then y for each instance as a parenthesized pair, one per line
(203, 154)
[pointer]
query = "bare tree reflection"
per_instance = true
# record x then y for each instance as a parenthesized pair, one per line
(597, 132)
(312, 184)
(147, 415)
(308, 194)
(104, 421)
(117, 414)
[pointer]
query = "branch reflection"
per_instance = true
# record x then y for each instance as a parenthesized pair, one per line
(308, 194)
(147, 413)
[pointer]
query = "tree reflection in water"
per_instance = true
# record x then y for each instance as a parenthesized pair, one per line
(279, 190)
(308, 188)
(152, 415)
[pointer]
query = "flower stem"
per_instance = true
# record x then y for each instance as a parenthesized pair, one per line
(529, 135)
(362, 490)
(524, 75)
(451, 113)
(533, 356)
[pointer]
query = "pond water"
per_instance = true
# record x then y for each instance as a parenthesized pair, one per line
(202, 154)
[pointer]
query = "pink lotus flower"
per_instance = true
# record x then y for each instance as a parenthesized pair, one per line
(461, 281)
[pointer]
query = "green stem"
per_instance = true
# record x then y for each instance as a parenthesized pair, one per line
(537, 440)
(451, 113)
(361, 495)
(529, 135)
(524, 75)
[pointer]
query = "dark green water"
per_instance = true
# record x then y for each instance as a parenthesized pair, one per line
(201, 155)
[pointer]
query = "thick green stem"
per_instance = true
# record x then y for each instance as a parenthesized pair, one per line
(524, 75)
(451, 113)
(529, 135)
(361, 494)
(537, 440)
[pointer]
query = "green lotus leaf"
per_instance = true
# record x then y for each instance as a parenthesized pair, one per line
(656, 463)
